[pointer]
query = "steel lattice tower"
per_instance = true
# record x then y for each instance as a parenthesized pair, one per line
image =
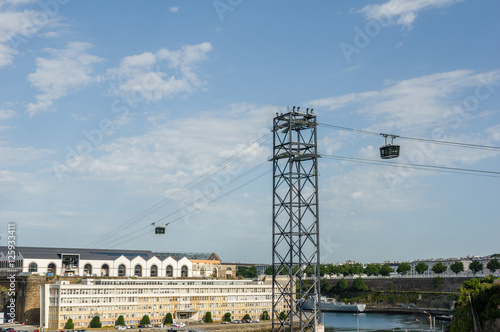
(295, 221)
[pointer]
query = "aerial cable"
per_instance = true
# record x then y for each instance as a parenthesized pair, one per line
(199, 207)
(419, 166)
(194, 202)
(210, 173)
(465, 145)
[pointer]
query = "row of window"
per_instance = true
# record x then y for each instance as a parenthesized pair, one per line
(87, 269)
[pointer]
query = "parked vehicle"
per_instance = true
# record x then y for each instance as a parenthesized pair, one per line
(178, 324)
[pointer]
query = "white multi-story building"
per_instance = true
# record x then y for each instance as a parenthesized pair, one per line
(185, 299)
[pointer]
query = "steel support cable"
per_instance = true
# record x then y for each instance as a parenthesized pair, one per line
(198, 208)
(215, 190)
(210, 173)
(186, 188)
(196, 201)
(465, 145)
(445, 169)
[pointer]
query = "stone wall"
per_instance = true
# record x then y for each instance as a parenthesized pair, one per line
(27, 295)
(415, 284)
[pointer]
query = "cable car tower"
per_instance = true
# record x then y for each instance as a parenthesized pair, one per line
(295, 221)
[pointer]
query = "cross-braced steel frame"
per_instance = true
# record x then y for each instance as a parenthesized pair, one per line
(295, 222)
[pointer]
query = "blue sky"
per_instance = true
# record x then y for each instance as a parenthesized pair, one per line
(110, 110)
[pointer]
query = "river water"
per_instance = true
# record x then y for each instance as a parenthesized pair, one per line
(368, 322)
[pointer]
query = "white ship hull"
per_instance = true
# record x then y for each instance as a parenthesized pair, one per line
(335, 306)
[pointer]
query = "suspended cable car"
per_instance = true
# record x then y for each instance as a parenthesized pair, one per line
(160, 230)
(391, 150)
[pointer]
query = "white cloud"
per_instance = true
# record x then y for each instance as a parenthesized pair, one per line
(20, 155)
(64, 72)
(173, 9)
(164, 74)
(7, 114)
(166, 152)
(402, 12)
(420, 102)
(15, 26)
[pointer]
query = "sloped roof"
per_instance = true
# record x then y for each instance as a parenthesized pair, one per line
(94, 254)
(104, 254)
(188, 255)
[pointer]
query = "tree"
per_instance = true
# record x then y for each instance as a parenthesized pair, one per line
(386, 270)
(247, 272)
(372, 269)
(476, 266)
(247, 317)
(120, 321)
(69, 325)
(227, 317)
(421, 267)
(403, 268)
(493, 265)
(439, 268)
(95, 323)
(168, 319)
(325, 286)
(270, 271)
(341, 286)
(208, 317)
(282, 315)
(358, 285)
(265, 315)
(145, 320)
(457, 267)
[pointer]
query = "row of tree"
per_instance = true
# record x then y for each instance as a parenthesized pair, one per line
(385, 269)
(227, 317)
(96, 321)
(457, 267)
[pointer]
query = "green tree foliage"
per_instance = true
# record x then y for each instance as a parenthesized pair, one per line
(341, 286)
(421, 267)
(247, 317)
(95, 323)
(403, 268)
(120, 321)
(208, 317)
(325, 286)
(493, 265)
(323, 269)
(145, 320)
(478, 301)
(69, 325)
(439, 268)
(310, 270)
(270, 271)
(358, 285)
(373, 269)
(457, 267)
(386, 270)
(282, 315)
(227, 317)
(250, 272)
(265, 315)
(168, 319)
(476, 266)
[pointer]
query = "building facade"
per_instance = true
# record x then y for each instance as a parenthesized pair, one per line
(112, 263)
(185, 299)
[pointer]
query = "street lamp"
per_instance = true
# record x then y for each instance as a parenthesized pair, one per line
(430, 319)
